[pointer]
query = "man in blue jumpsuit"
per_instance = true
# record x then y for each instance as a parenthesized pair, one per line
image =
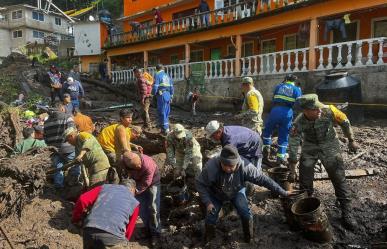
(163, 90)
(281, 116)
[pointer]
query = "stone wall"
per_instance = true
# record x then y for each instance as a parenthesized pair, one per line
(225, 94)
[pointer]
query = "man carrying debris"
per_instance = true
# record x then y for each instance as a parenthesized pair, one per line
(163, 90)
(183, 152)
(281, 116)
(89, 152)
(248, 142)
(223, 179)
(146, 173)
(58, 121)
(108, 215)
(144, 88)
(315, 129)
(29, 141)
(252, 108)
(54, 79)
(75, 89)
(83, 122)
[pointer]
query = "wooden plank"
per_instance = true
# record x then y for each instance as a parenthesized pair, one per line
(350, 174)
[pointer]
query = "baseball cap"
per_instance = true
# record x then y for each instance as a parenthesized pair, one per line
(179, 131)
(211, 128)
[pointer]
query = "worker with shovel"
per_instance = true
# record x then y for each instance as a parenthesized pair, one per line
(89, 152)
(314, 127)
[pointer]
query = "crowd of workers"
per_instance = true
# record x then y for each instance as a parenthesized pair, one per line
(121, 182)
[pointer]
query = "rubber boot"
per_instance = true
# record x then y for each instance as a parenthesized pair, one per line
(210, 232)
(248, 232)
(347, 221)
(266, 153)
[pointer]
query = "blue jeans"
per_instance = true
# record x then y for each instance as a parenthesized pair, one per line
(205, 20)
(150, 209)
(240, 203)
(163, 109)
(75, 103)
(58, 162)
(280, 117)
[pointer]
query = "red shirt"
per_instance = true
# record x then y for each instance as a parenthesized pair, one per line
(158, 17)
(144, 90)
(88, 199)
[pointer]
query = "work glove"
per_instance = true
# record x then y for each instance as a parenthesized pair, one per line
(353, 146)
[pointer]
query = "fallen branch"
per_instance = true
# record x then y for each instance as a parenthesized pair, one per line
(356, 156)
(6, 237)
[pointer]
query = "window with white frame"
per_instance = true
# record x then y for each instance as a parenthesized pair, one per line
(39, 16)
(268, 46)
(17, 34)
(58, 21)
(196, 55)
(380, 28)
(37, 34)
(17, 14)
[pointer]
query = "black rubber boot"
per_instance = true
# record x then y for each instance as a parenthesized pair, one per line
(266, 153)
(248, 232)
(347, 219)
(210, 232)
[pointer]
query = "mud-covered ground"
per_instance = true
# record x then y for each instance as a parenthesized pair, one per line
(44, 221)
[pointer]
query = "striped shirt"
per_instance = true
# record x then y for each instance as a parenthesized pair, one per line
(54, 128)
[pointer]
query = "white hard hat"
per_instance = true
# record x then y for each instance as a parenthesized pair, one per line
(211, 128)
(179, 131)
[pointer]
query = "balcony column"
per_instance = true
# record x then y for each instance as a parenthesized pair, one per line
(187, 59)
(145, 60)
(313, 42)
(238, 55)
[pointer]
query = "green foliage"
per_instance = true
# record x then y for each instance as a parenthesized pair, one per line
(9, 89)
(32, 100)
(64, 63)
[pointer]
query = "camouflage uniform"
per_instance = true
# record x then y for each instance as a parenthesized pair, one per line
(319, 141)
(184, 153)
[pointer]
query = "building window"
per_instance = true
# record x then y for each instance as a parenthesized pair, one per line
(174, 59)
(248, 49)
(290, 42)
(380, 28)
(268, 46)
(231, 51)
(17, 14)
(17, 34)
(38, 16)
(58, 21)
(196, 55)
(37, 34)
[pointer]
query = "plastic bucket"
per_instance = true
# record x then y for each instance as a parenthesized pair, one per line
(281, 176)
(312, 219)
(287, 202)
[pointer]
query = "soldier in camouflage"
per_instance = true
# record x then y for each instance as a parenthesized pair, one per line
(314, 127)
(183, 152)
(252, 108)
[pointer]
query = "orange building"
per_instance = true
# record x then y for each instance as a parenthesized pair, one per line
(248, 37)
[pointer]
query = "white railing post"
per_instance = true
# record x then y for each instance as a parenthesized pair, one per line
(304, 68)
(359, 54)
(226, 73)
(339, 56)
(380, 53)
(232, 68)
(369, 55)
(321, 59)
(205, 70)
(243, 67)
(260, 64)
(268, 64)
(289, 64)
(349, 57)
(330, 59)
(221, 69)
(282, 64)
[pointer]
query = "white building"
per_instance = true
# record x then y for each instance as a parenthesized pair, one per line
(22, 24)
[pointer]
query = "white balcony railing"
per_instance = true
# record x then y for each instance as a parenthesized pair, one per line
(344, 55)
(351, 54)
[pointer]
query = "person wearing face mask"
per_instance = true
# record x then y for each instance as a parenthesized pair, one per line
(248, 142)
(183, 152)
(224, 179)
(314, 129)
